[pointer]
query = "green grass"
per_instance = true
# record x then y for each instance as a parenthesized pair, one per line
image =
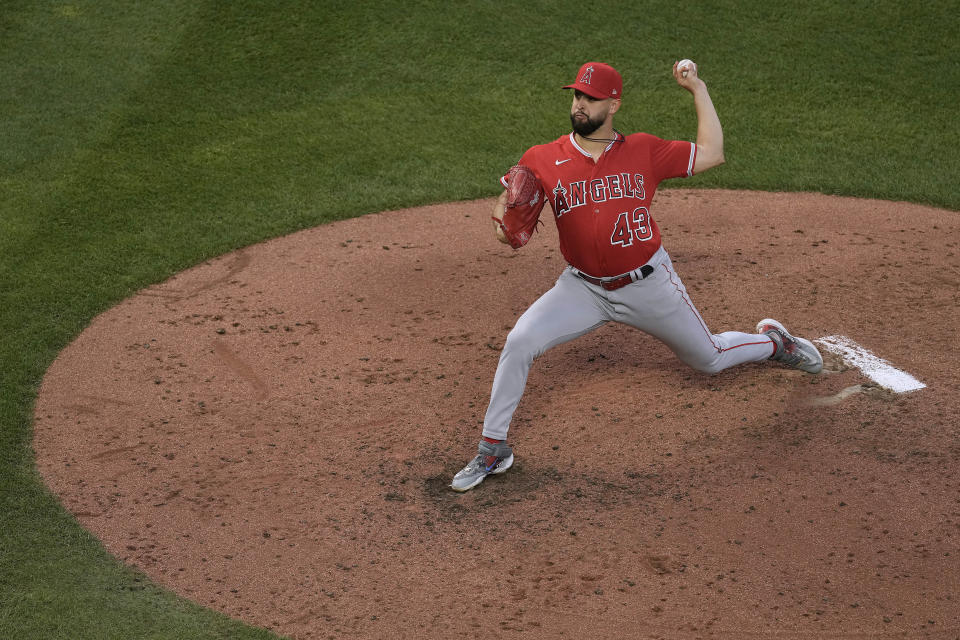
(141, 138)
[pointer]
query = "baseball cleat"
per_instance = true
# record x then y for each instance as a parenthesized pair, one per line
(793, 352)
(478, 469)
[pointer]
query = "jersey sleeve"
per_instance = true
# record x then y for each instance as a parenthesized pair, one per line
(673, 158)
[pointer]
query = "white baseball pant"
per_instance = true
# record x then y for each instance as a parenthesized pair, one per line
(658, 305)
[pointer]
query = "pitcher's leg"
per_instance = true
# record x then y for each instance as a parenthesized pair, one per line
(661, 306)
(566, 311)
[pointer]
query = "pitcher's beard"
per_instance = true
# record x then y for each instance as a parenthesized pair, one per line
(586, 126)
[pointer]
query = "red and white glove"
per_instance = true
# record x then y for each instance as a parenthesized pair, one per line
(525, 200)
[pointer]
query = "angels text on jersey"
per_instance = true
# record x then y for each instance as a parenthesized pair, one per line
(603, 189)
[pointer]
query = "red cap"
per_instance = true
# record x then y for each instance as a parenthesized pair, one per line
(598, 80)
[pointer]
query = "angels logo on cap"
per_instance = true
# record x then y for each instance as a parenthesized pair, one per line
(585, 79)
(598, 80)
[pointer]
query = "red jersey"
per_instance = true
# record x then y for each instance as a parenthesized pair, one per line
(602, 208)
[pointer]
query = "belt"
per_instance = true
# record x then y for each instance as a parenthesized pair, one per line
(612, 284)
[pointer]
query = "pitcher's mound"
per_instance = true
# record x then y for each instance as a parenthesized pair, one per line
(272, 433)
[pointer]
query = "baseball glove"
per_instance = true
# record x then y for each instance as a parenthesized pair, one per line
(525, 200)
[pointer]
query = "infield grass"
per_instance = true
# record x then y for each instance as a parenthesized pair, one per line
(140, 138)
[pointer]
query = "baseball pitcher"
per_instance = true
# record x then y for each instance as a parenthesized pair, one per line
(600, 184)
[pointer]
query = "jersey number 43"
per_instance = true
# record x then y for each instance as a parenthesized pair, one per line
(632, 226)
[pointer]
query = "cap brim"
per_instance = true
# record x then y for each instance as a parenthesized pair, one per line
(587, 89)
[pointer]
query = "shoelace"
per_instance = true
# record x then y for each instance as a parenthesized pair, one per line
(793, 355)
(788, 351)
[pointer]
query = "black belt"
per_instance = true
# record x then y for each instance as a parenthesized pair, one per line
(612, 284)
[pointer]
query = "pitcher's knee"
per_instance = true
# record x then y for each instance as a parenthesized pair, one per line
(526, 344)
(710, 367)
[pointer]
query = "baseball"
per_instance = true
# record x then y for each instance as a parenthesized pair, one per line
(684, 65)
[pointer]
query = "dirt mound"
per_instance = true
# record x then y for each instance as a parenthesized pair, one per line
(271, 434)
